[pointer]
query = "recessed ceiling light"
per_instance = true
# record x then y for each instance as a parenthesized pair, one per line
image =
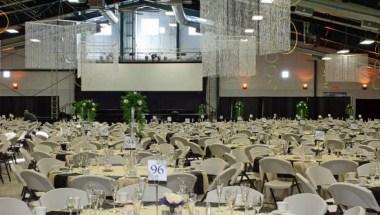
(249, 30)
(285, 74)
(243, 40)
(6, 74)
(173, 24)
(266, 1)
(12, 31)
(343, 51)
(33, 40)
(326, 58)
(169, 13)
(257, 17)
(367, 42)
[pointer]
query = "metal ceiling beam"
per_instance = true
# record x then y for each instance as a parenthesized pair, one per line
(343, 9)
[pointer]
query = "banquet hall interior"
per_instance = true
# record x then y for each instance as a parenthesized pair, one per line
(189, 107)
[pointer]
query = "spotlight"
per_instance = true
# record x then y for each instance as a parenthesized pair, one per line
(244, 86)
(343, 51)
(15, 85)
(364, 86)
(326, 58)
(285, 74)
(367, 42)
(305, 86)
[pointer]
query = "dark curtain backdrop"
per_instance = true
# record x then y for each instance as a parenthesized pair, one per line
(284, 106)
(39, 105)
(368, 108)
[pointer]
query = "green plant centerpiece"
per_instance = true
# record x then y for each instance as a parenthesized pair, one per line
(85, 109)
(239, 110)
(134, 107)
(349, 111)
(202, 110)
(302, 110)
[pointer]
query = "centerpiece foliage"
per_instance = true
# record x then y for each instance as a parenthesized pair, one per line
(137, 101)
(349, 110)
(238, 109)
(86, 109)
(302, 110)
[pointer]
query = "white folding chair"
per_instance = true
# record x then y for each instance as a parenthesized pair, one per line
(340, 167)
(306, 186)
(99, 182)
(223, 178)
(45, 165)
(174, 181)
(43, 148)
(320, 177)
(365, 169)
(166, 148)
(149, 194)
(38, 155)
(11, 206)
(352, 195)
(55, 200)
(306, 203)
(196, 149)
(277, 166)
(35, 181)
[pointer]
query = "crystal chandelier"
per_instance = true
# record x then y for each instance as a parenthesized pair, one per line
(236, 31)
(55, 41)
(346, 68)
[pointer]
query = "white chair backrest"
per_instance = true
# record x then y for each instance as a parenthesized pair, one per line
(55, 200)
(224, 178)
(83, 146)
(365, 169)
(229, 158)
(196, 149)
(16, 169)
(36, 181)
(306, 185)
(334, 144)
(27, 156)
(353, 195)
(319, 176)
(38, 155)
(99, 182)
(175, 180)
(355, 211)
(276, 166)
(166, 148)
(213, 166)
(52, 145)
(217, 150)
(212, 195)
(149, 192)
(375, 144)
(43, 148)
(240, 155)
(306, 203)
(45, 165)
(11, 206)
(340, 166)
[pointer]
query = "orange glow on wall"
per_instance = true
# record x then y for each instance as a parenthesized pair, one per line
(244, 86)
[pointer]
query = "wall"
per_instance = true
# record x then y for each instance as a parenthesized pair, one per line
(268, 81)
(142, 77)
(39, 84)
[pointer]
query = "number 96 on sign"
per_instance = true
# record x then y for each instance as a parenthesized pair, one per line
(157, 170)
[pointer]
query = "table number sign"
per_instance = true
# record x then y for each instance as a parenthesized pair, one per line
(129, 143)
(302, 122)
(169, 119)
(354, 126)
(187, 120)
(319, 135)
(157, 171)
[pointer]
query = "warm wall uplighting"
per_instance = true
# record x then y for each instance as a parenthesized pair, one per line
(364, 86)
(244, 86)
(15, 85)
(305, 86)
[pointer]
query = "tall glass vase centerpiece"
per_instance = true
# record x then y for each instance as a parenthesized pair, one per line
(134, 107)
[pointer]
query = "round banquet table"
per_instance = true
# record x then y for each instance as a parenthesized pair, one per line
(61, 179)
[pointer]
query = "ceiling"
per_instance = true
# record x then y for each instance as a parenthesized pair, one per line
(331, 24)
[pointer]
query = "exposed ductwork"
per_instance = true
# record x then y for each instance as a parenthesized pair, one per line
(183, 19)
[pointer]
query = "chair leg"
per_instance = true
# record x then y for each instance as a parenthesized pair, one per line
(7, 167)
(1, 175)
(273, 196)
